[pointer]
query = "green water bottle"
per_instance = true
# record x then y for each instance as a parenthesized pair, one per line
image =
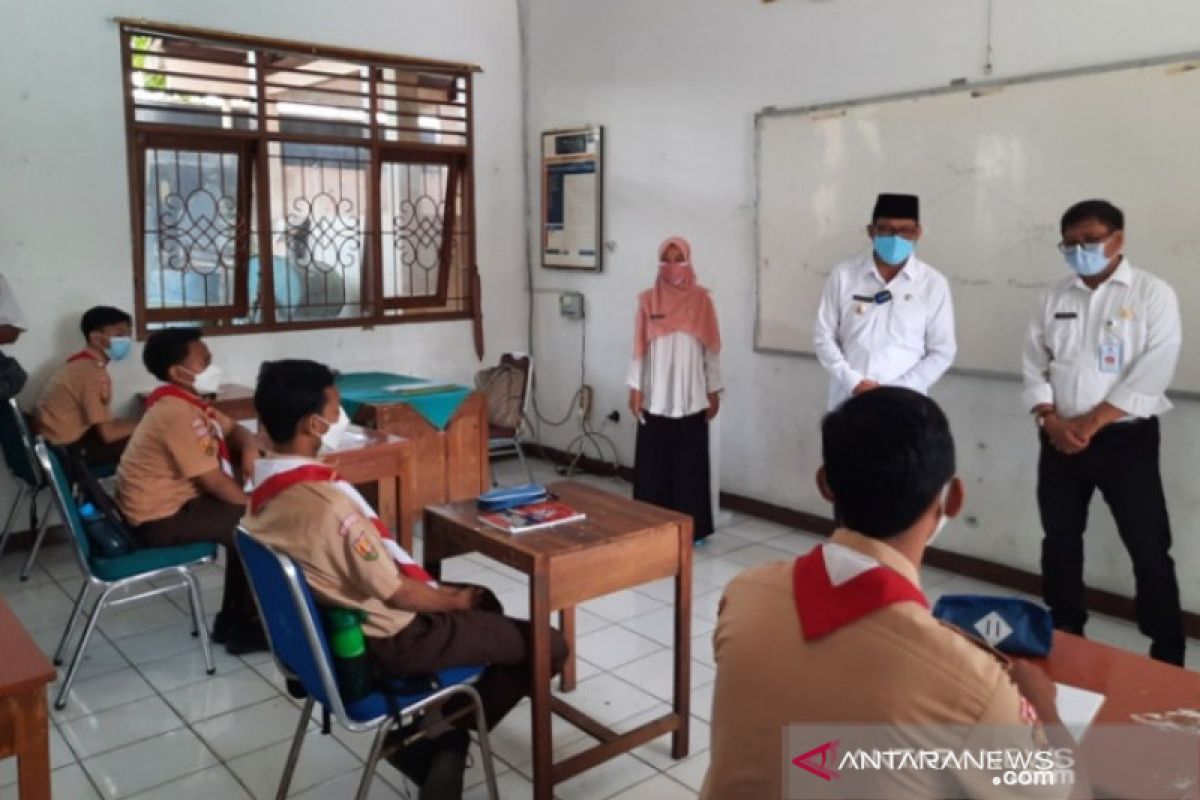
(349, 652)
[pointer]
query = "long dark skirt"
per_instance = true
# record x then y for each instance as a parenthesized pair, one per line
(670, 467)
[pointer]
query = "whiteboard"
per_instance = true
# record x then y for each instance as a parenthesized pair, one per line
(995, 166)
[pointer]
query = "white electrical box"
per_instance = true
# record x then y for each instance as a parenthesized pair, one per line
(570, 305)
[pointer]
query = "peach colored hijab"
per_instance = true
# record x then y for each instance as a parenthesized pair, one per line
(676, 303)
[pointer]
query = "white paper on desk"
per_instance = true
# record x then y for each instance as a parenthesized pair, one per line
(1077, 707)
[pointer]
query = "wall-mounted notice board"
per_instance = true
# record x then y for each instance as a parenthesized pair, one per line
(572, 192)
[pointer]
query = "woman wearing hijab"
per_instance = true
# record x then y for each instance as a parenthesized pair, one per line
(675, 388)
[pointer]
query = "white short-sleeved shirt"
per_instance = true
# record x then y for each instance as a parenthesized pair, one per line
(907, 341)
(1118, 343)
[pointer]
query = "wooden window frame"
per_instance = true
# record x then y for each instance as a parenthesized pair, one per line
(252, 146)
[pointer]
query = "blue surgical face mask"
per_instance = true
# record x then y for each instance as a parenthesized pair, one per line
(1087, 260)
(118, 347)
(894, 250)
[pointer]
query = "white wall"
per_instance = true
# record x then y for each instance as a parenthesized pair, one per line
(676, 84)
(64, 221)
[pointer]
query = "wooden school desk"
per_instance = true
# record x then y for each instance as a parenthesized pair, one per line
(24, 725)
(233, 400)
(371, 457)
(451, 463)
(1133, 760)
(621, 544)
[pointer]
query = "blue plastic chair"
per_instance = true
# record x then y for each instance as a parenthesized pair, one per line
(301, 651)
(109, 574)
(17, 444)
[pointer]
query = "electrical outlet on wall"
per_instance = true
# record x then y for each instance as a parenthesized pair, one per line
(585, 401)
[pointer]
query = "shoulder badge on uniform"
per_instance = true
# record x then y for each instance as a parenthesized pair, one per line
(348, 523)
(365, 548)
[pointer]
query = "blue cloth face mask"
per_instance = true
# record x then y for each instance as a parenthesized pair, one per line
(894, 250)
(118, 347)
(1087, 260)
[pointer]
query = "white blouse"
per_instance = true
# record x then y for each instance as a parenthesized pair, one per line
(676, 375)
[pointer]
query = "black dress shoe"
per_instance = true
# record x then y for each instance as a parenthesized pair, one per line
(1169, 651)
(222, 628)
(247, 638)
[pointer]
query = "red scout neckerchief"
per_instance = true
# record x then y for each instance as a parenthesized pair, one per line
(319, 473)
(168, 390)
(835, 586)
(86, 355)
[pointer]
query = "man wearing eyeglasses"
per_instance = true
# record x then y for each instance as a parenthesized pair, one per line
(886, 316)
(1100, 354)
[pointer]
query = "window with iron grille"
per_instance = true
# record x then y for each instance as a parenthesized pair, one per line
(279, 185)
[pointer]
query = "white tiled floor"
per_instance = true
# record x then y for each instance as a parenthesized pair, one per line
(145, 721)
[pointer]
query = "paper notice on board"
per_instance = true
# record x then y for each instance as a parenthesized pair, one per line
(580, 196)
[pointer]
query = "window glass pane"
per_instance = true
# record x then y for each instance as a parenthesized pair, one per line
(412, 222)
(318, 203)
(183, 82)
(191, 228)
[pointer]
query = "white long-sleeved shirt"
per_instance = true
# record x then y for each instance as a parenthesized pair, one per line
(10, 312)
(676, 375)
(1133, 317)
(907, 341)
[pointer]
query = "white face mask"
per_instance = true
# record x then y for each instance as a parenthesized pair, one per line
(208, 381)
(942, 518)
(332, 437)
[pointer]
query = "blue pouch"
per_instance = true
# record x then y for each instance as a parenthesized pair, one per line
(1009, 624)
(507, 497)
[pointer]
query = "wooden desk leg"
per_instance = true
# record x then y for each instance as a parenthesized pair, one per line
(434, 551)
(539, 691)
(389, 509)
(566, 621)
(683, 642)
(33, 748)
(406, 500)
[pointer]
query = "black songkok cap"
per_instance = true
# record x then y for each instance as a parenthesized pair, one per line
(897, 206)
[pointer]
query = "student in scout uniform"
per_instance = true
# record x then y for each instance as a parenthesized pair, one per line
(886, 317)
(844, 634)
(75, 408)
(414, 625)
(176, 482)
(675, 388)
(1101, 352)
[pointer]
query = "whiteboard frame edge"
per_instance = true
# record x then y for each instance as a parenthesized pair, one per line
(916, 94)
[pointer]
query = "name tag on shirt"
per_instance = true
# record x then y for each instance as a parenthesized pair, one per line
(1111, 357)
(1065, 315)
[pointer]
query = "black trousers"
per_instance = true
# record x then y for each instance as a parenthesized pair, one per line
(437, 640)
(1122, 462)
(670, 468)
(207, 519)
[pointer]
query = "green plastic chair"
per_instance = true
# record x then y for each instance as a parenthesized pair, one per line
(107, 575)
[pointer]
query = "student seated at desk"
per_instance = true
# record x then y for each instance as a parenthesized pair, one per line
(844, 635)
(176, 483)
(414, 625)
(75, 409)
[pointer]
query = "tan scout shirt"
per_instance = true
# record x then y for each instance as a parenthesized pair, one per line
(173, 444)
(897, 665)
(339, 550)
(78, 396)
